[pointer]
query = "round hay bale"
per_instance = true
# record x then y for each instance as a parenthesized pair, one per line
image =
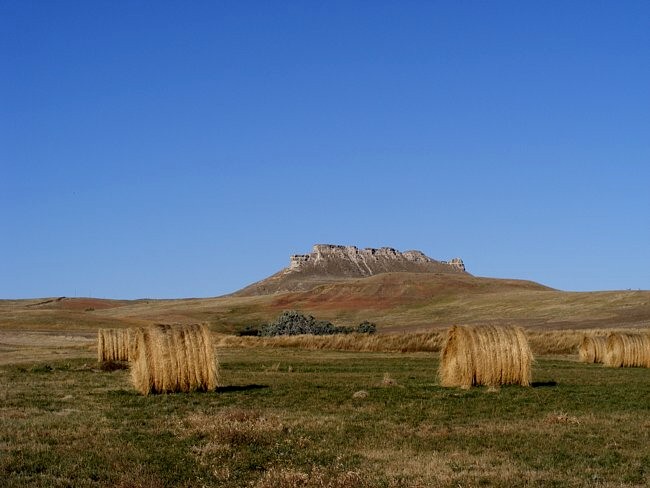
(592, 349)
(100, 345)
(173, 358)
(485, 355)
(112, 345)
(627, 350)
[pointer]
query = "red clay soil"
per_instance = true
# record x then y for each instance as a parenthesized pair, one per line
(390, 290)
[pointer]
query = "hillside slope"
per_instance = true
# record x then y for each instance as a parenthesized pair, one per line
(394, 301)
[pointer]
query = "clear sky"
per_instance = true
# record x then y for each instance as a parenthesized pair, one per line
(177, 149)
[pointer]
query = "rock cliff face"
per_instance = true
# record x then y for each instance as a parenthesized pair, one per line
(327, 263)
(352, 261)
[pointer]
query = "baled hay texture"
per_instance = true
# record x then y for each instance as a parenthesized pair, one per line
(627, 350)
(113, 345)
(173, 358)
(592, 349)
(485, 355)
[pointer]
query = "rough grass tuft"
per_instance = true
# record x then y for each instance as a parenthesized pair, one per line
(317, 477)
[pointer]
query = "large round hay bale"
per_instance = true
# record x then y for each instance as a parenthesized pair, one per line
(173, 358)
(485, 355)
(592, 349)
(112, 345)
(627, 350)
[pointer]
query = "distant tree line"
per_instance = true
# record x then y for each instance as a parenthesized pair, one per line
(292, 322)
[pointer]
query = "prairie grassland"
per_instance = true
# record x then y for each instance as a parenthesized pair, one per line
(29, 347)
(290, 418)
(396, 302)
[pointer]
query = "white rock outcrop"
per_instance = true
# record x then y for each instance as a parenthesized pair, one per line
(350, 260)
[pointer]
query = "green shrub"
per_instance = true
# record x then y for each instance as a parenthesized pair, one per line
(366, 327)
(292, 322)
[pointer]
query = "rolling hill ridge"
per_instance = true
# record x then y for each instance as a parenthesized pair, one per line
(399, 291)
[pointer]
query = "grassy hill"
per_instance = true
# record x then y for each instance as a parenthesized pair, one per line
(394, 301)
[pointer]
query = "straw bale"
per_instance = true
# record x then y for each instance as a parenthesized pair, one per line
(485, 355)
(592, 349)
(173, 358)
(627, 350)
(112, 345)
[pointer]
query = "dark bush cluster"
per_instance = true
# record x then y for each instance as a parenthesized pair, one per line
(295, 323)
(366, 327)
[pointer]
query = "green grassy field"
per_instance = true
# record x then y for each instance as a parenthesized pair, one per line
(289, 418)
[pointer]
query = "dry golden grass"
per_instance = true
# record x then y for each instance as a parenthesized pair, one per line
(565, 341)
(488, 355)
(173, 358)
(317, 477)
(113, 345)
(548, 342)
(628, 350)
(419, 341)
(592, 349)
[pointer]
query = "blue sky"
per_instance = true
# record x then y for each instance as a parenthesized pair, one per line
(176, 149)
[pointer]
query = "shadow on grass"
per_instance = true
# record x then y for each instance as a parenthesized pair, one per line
(220, 389)
(229, 388)
(542, 384)
(113, 365)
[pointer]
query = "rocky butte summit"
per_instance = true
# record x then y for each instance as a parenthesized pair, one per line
(329, 263)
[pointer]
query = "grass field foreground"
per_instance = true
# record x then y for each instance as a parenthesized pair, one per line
(296, 418)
